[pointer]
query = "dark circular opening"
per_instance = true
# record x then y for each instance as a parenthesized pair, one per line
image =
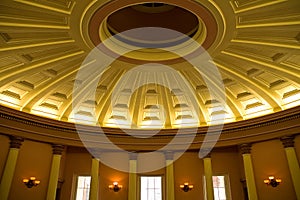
(159, 15)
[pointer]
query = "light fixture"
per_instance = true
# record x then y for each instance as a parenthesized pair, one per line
(115, 187)
(272, 181)
(186, 187)
(31, 182)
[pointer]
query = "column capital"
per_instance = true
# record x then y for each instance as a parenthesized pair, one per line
(57, 149)
(206, 153)
(95, 158)
(133, 156)
(15, 142)
(245, 148)
(287, 141)
(169, 155)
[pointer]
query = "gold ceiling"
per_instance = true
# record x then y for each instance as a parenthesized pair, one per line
(255, 46)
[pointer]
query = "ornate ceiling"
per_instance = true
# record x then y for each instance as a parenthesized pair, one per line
(253, 47)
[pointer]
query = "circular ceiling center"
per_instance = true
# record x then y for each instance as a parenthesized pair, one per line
(153, 15)
(110, 20)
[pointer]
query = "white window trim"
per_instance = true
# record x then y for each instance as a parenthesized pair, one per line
(146, 175)
(74, 185)
(227, 186)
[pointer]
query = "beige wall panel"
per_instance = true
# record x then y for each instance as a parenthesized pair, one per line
(297, 147)
(189, 168)
(34, 160)
(4, 148)
(227, 161)
(269, 159)
(76, 163)
(107, 177)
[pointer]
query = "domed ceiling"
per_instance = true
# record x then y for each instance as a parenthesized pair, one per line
(251, 48)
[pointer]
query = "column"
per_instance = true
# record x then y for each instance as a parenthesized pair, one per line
(169, 176)
(249, 174)
(132, 187)
(288, 143)
(54, 171)
(208, 177)
(94, 179)
(10, 165)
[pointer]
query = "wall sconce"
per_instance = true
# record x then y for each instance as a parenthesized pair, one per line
(272, 181)
(186, 187)
(115, 187)
(31, 182)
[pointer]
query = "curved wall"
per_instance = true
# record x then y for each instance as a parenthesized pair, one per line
(268, 156)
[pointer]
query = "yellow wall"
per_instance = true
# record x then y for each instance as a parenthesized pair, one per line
(227, 161)
(76, 163)
(269, 159)
(189, 168)
(297, 146)
(34, 160)
(4, 148)
(107, 177)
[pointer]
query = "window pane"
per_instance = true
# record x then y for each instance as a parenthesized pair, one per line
(219, 194)
(219, 188)
(83, 187)
(151, 188)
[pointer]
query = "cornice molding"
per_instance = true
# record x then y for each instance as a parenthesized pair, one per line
(47, 130)
(26, 118)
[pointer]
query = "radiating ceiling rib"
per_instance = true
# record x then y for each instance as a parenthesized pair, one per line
(24, 46)
(231, 101)
(39, 5)
(38, 94)
(136, 101)
(272, 98)
(271, 24)
(202, 107)
(253, 7)
(202, 115)
(234, 105)
(273, 44)
(102, 109)
(68, 105)
(46, 26)
(82, 92)
(10, 75)
(167, 99)
(290, 73)
(167, 102)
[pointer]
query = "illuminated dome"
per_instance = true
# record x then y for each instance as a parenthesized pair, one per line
(254, 47)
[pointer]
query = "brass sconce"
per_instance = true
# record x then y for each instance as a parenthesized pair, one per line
(115, 187)
(31, 182)
(186, 187)
(272, 181)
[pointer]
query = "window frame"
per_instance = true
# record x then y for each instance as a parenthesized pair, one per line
(227, 186)
(151, 175)
(75, 184)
